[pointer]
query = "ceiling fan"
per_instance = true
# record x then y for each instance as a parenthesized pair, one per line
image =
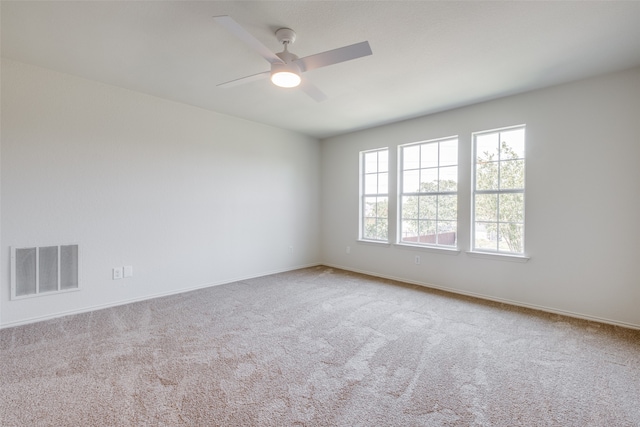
(286, 67)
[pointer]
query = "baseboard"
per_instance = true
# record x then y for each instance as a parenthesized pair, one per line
(146, 297)
(494, 299)
(342, 267)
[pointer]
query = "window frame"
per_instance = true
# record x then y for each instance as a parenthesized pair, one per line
(364, 195)
(401, 194)
(498, 192)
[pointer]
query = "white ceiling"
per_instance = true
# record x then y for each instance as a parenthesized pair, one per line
(427, 56)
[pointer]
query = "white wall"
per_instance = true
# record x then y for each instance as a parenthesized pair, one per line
(186, 196)
(582, 201)
(192, 198)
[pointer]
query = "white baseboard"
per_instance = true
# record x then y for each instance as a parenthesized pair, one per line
(495, 299)
(370, 273)
(146, 297)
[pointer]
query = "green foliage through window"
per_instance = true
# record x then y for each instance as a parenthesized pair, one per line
(429, 200)
(499, 191)
(375, 201)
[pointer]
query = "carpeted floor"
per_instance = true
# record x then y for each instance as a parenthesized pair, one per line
(319, 347)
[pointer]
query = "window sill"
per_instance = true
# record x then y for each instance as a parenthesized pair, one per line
(434, 249)
(373, 242)
(499, 257)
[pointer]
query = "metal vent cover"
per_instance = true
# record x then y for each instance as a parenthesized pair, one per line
(42, 270)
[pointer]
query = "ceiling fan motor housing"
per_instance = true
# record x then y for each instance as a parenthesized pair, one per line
(286, 35)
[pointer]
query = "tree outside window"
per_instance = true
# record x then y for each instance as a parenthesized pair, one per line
(374, 205)
(429, 199)
(499, 190)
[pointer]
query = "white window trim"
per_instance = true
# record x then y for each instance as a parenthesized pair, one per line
(400, 176)
(499, 256)
(446, 250)
(373, 242)
(363, 195)
(487, 253)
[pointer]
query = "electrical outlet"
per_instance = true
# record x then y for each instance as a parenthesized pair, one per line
(128, 271)
(417, 259)
(117, 273)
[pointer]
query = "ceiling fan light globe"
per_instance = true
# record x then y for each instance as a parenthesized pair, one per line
(285, 79)
(285, 75)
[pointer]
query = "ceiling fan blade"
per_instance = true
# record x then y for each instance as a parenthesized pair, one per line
(236, 29)
(311, 90)
(334, 56)
(244, 80)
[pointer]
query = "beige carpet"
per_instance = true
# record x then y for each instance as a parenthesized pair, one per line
(319, 347)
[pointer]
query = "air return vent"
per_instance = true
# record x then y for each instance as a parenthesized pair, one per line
(43, 270)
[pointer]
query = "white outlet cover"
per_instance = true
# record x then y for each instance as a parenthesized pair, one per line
(117, 273)
(128, 271)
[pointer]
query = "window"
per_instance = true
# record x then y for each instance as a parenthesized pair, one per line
(429, 193)
(374, 204)
(498, 193)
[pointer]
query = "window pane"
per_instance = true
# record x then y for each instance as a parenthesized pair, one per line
(428, 232)
(512, 208)
(429, 155)
(382, 208)
(370, 207)
(487, 176)
(371, 184)
(383, 161)
(411, 157)
(370, 228)
(447, 233)
(512, 174)
(486, 235)
(486, 207)
(446, 226)
(449, 178)
(512, 144)
(381, 229)
(411, 181)
(448, 207)
(410, 207)
(410, 230)
(487, 147)
(449, 152)
(383, 183)
(371, 162)
(429, 180)
(428, 207)
(511, 238)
